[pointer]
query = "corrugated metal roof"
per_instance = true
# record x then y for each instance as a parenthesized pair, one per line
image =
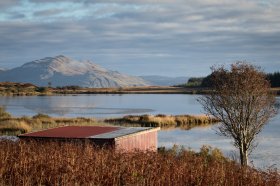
(93, 132)
(72, 132)
(121, 132)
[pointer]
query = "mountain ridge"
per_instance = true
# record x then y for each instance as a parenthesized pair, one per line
(64, 71)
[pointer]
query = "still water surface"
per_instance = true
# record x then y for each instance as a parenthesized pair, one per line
(101, 105)
(266, 154)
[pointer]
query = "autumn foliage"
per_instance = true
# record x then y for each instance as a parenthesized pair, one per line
(53, 163)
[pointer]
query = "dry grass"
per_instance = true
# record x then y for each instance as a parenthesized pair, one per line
(15, 126)
(51, 163)
(19, 89)
(186, 121)
(4, 114)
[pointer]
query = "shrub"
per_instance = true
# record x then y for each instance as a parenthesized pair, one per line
(42, 89)
(41, 116)
(53, 163)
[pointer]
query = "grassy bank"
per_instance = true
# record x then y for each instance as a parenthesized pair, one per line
(15, 126)
(72, 164)
(20, 89)
(185, 121)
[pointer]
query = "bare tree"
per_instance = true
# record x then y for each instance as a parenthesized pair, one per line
(242, 100)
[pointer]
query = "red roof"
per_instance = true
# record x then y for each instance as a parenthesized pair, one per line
(72, 132)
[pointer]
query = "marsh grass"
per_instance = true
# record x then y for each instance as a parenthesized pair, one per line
(15, 126)
(183, 121)
(12, 127)
(4, 114)
(52, 163)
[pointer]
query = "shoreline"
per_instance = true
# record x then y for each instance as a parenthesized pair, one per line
(135, 90)
(24, 89)
(18, 125)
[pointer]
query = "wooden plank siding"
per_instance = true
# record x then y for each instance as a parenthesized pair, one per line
(138, 141)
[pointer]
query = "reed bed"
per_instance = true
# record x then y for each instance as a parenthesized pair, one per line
(15, 126)
(53, 163)
(186, 121)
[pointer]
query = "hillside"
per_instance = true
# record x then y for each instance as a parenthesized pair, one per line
(64, 71)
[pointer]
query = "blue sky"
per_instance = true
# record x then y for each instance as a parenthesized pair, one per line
(143, 37)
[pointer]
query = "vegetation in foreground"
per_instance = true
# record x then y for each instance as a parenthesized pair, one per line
(185, 121)
(51, 163)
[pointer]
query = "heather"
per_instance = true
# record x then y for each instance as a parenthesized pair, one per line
(56, 163)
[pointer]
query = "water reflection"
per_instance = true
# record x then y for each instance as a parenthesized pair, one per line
(101, 105)
(265, 155)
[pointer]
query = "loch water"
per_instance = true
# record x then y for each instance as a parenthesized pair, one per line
(267, 153)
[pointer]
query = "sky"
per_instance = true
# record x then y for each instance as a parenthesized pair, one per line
(143, 37)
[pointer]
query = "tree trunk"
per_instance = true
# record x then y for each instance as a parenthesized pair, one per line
(243, 157)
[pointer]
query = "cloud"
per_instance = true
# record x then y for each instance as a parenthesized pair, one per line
(8, 3)
(50, 12)
(129, 35)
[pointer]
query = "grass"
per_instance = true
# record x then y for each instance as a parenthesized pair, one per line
(20, 89)
(52, 163)
(15, 126)
(186, 121)
(12, 127)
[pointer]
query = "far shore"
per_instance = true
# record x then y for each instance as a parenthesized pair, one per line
(27, 89)
(143, 90)
(135, 90)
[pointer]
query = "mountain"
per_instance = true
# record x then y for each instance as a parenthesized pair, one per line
(63, 71)
(2, 70)
(164, 80)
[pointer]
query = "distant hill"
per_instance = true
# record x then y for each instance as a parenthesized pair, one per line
(64, 71)
(164, 80)
(2, 70)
